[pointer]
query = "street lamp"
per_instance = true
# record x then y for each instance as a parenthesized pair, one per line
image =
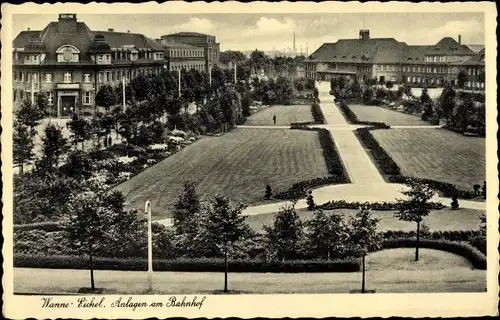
(147, 210)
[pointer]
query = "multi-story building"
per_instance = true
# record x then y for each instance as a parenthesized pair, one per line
(475, 71)
(207, 42)
(183, 56)
(386, 59)
(69, 63)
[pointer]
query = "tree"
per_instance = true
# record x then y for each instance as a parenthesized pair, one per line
(30, 115)
(80, 128)
(447, 100)
(269, 193)
(187, 205)
(464, 114)
(42, 103)
(310, 202)
(106, 97)
(389, 84)
(284, 90)
(462, 78)
(367, 95)
(226, 224)
(285, 235)
(416, 206)
(427, 105)
(326, 233)
(53, 146)
(22, 145)
(363, 237)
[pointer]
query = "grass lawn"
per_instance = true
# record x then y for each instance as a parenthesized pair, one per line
(285, 115)
(390, 117)
(439, 220)
(436, 154)
(238, 164)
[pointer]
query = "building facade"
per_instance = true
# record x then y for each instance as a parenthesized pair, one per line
(183, 56)
(69, 63)
(386, 59)
(209, 44)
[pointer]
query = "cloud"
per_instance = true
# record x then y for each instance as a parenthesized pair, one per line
(271, 26)
(197, 25)
(469, 29)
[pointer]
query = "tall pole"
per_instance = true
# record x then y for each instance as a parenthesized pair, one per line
(147, 209)
(294, 43)
(235, 77)
(210, 74)
(179, 80)
(32, 90)
(123, 94)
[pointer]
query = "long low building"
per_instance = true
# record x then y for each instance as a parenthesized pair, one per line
(386, 59)
(69, 63)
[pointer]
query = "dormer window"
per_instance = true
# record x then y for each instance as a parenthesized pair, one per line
(67, 53)
(67, 77)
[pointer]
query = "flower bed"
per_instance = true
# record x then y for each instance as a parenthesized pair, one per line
(475, 257)
(384, 161)
(381, 206)
(186, 265)
(317, 113)
(299, 190)
(448, 189)
(353, 119)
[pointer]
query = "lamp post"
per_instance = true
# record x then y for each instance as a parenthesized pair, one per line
(147, 210)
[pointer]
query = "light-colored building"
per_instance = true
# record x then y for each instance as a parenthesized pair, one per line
(183, 56)
(386, 59)
(69, 63)
(207, 42)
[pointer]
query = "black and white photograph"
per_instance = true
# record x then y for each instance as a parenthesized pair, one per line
(162, 156)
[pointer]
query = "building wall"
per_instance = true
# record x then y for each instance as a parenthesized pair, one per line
(187, 65)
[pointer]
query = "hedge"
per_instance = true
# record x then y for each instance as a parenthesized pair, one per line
(453, 235)
(448, 189)
(380, 206)
(299, 189)
(475, 257)
(317, 113)
(186, 265)
(353, 119)
(384, 161)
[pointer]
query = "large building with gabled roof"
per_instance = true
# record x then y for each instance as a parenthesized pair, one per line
(386, 59)
(69, 62)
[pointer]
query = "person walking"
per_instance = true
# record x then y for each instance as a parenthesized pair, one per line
(274, 119)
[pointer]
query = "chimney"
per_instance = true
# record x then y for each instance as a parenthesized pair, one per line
(364, 34)
(67, 23)
(111, 30)
(459, 39)
(128, 31)
(28, 29)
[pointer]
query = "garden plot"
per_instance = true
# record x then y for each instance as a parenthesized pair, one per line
(238, 164)
(387, 116)
(436, 154)
(285, 115)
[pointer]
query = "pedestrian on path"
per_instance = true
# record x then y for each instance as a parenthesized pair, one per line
(274, 119)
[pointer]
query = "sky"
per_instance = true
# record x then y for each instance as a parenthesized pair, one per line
(275, 31)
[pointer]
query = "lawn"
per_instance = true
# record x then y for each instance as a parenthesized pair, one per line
(438, 220)
(285, 115)
(389, 117)
(238, 164)
(436, 154)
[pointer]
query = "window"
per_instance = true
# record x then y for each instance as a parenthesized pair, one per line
(99, 58)
(67, 77)
(67, 53)
(35, 77)
(468, 84)
(107, 78)
(48, 77)
(14, 94)
(414, 79)
(86, 77)
(435, 71)
(100, 77)
(50, 98)
(86, 97)
(418, 79)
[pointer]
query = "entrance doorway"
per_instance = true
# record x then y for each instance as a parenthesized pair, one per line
(67, 105)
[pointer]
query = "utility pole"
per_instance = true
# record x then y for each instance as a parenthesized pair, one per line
(235, 77)
(123, 93)
(210, 74)
(147, 210)
(179, 80)
(32, 89)
(294, 52)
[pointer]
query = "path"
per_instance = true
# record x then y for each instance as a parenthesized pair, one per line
(55, 281)
(367, 184)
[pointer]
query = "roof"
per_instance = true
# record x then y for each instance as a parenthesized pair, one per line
(80, 36)
(187, 34)
(449, 46)
(476, 60)
(476, 47)
(117, 39)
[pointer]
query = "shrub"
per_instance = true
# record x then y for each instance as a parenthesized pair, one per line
(48, 226)
(381, 206)
(186, 265)
(350, 116)
(475, 257)
(384, 161)
(317, 113)
(330, 152)
(268, 193)
(454, 235)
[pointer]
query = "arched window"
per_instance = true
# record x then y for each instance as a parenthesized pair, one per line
(67, 53)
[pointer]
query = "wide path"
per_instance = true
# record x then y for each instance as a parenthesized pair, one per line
(55, 281)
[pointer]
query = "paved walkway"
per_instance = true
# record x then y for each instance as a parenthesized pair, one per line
(367, 184)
